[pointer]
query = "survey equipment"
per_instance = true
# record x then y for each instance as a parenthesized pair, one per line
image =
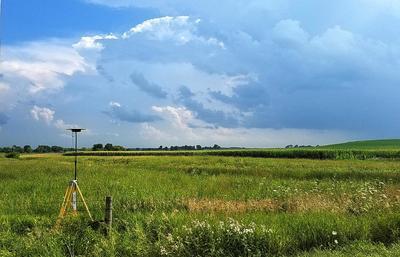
(71, 195)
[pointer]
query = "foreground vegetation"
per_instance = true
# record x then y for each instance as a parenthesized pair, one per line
(203, 206)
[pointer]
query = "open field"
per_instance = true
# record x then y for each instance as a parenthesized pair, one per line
(203, 206)
(368, 144)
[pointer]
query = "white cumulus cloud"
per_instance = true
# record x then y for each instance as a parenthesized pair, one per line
(93, 42)
(181, 29)
(41, 66)
(62, 125)
(179, 116)
(42, 114)
(47, 115)
(114, 104)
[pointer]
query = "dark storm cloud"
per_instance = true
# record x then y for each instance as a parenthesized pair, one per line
(245, 97)
(146, 86)
(215, 117)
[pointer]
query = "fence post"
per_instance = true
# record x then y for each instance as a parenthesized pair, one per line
(108, 214)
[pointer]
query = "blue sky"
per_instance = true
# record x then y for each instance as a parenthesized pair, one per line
(43, 19)
(256, 73)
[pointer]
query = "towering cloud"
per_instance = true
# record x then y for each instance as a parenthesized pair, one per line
(247, 68)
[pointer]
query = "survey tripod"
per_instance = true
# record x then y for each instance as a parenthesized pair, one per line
(73, 190)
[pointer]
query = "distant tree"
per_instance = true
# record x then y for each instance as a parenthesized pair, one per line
(7, 149)
(198, 147)
(27, 149)
(42, 149)
(97, 147)
(57, 149)
(216, 146)
(289, 146)
(108, 147)
(17, 149)
(160, 147)
(118, 148)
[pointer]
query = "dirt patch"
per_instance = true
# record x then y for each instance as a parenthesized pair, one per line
(304, 203)
(392, 192)
(345, 203)
(215, 205)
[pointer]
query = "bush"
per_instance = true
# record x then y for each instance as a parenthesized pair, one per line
(14, 155)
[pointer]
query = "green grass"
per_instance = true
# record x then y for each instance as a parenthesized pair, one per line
(368, 144)
(203, 206)
(359, 249)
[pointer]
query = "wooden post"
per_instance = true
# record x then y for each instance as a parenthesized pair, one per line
(108, 215)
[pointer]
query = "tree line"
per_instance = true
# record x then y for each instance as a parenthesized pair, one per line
(110, 147)
(99, 147)
(190, 147)
(38, 149)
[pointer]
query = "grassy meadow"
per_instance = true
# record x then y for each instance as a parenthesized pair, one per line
(368, 144)
(203, 205)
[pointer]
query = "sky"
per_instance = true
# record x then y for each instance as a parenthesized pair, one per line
(252, 73)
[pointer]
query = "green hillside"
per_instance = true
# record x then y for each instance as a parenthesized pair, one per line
(367, 144)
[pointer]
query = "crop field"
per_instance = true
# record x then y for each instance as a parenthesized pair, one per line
(302, 153)
(203, 205)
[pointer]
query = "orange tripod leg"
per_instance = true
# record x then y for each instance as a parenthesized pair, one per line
(64, 206)
(84, 202)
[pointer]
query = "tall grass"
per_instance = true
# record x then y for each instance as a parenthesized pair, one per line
(182, 235)
(201, 206)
